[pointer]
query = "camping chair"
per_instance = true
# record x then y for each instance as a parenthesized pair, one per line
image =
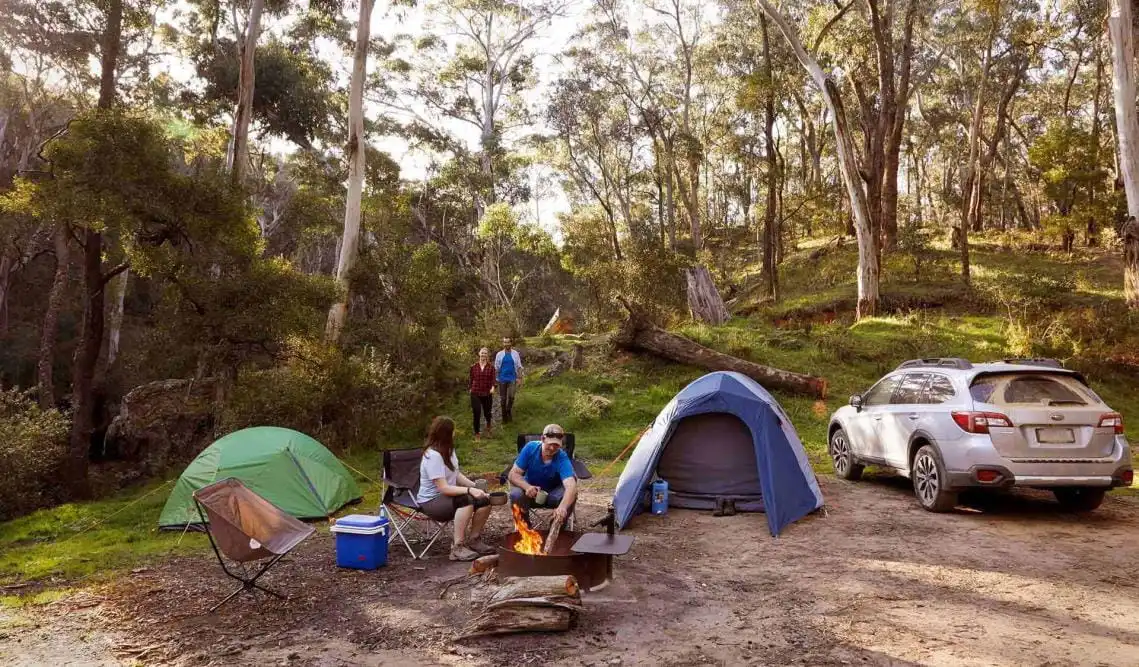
(246, 528)
(579, 471)
(401, 482)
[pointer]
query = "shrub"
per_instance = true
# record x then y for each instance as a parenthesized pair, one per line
(339, 399)
(33, 446)
(588, 407)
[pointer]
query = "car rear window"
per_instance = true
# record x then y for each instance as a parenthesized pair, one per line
(1030, 389)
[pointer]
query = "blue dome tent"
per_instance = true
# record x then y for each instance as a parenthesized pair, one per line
(722, 437)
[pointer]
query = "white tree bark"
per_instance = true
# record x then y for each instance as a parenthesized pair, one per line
(848, 167)
(238, 158)
(1127, 123)
(1123, 80)
(118, 299)
(349, 245)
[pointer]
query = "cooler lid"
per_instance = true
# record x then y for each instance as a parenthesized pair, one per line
(361, 521)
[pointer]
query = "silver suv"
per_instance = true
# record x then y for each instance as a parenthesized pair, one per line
(951, 425)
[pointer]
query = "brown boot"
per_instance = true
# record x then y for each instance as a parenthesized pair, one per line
(462, 553)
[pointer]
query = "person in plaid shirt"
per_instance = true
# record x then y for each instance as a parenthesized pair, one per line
(481, 386)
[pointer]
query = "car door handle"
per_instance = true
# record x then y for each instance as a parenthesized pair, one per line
(914, 416)
(877, 418)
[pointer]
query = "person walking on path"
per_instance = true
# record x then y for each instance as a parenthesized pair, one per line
(508, 365)
(481, 385)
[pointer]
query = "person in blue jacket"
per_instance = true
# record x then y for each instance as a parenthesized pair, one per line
(508, 367)
(543, 465)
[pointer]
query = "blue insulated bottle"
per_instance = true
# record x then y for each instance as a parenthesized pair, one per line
(660, 497)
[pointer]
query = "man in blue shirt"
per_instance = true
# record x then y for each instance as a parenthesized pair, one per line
(544, 466)
(508, 366)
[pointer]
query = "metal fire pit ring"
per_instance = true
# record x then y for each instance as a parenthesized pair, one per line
(592, 571)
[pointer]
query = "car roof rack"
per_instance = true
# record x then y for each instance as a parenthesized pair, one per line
(937, 362)
(1033, 361)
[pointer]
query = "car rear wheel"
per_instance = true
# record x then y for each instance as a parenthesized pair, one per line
(1079, 499)
(845, 467)
(930, 481)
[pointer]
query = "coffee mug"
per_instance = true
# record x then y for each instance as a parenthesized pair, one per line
(541, 497)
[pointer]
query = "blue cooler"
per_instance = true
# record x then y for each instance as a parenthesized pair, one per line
(361, 541)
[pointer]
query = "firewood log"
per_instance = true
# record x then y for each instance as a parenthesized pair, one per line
(520, 619)
(558, 586)
(552, 535)
(484, 563)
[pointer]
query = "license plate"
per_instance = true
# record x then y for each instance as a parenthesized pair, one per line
(1055, 436)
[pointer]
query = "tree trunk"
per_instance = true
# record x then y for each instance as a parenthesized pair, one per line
(91, 328)
(638, 334)
(6, 271)
(848, 167)
(670, 194)
(704, 301)
(1130, 235)
(349, 246)
(45, 364)
(770, 270)
(986, 158)
(118, 301)
(243, 112)
(970, 188)
(896, 116)
(1127, 123)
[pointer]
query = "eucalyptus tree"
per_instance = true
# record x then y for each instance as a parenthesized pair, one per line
(868, 271)
(356, 148)
(470, 73)
(1119, 24)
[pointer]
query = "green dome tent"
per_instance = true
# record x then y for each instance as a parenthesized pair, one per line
(287, 468)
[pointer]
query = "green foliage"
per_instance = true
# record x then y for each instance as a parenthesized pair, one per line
(647, 275)
(208, 323)
(1070, 165)
(292, 93)
(344, 400)
(521, 269)
(33, 446)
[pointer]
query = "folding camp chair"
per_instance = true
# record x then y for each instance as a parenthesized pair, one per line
(401, 482)
(579, 471)
(246, 528)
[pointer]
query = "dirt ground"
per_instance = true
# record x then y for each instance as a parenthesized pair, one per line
(1007, 580)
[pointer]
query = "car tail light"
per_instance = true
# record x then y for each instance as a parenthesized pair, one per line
(1127, 477)
(980, 422)
(1112, 420)
(988, 475)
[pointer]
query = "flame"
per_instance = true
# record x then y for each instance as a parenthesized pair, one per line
(529, 540)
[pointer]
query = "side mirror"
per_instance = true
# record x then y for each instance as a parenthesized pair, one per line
(856, 402)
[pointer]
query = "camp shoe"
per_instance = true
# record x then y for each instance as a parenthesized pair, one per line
(480, 546)
(461, 552)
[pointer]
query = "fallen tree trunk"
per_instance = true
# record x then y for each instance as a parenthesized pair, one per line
(638, 334)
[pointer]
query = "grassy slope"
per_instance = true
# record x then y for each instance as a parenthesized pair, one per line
(47, 546)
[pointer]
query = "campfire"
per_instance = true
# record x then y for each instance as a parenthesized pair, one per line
(529, 540)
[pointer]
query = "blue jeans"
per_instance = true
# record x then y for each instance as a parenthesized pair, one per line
(553, 498)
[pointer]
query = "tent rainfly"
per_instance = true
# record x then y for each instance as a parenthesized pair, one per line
(288, 468)
(723, 437)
